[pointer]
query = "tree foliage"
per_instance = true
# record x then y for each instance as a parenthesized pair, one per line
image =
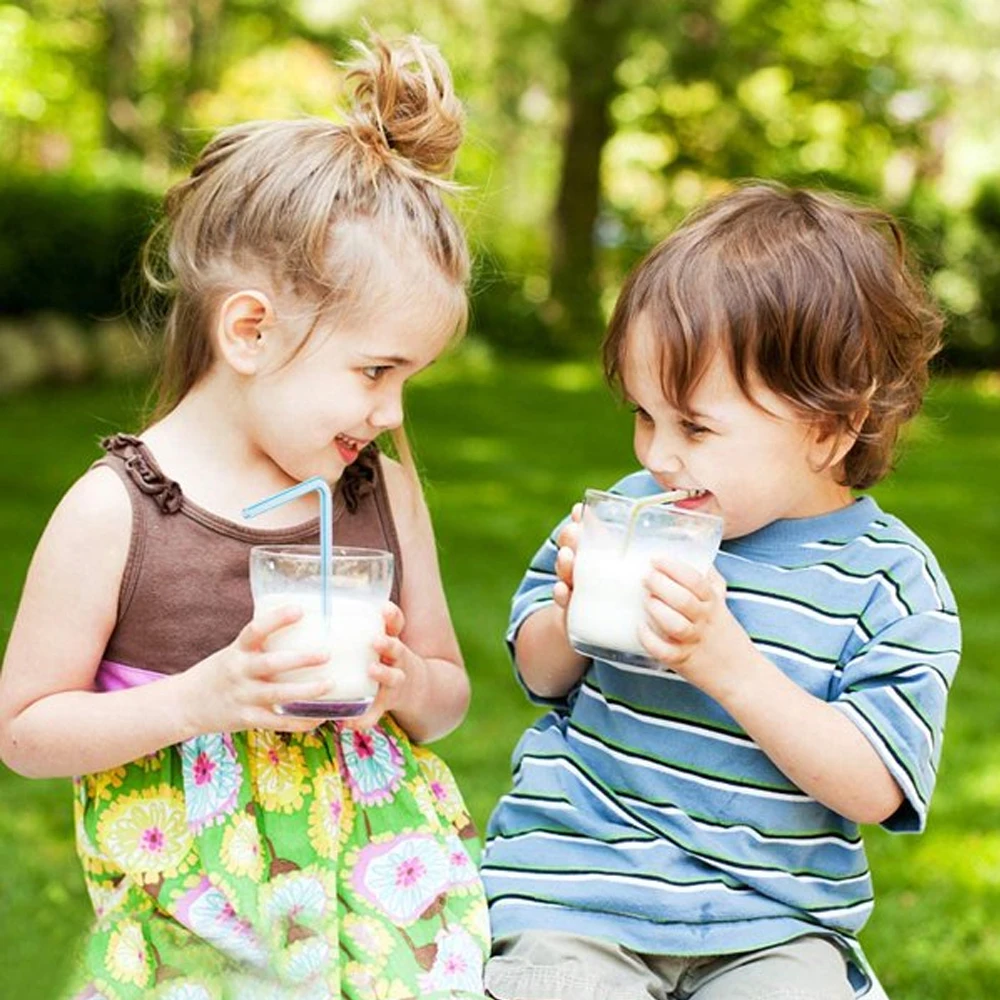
(594, 124)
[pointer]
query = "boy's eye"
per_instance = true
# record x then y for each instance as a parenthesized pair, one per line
(693, 429)
(375, 372)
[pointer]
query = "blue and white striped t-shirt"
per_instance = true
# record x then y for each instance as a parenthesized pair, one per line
(642, 813)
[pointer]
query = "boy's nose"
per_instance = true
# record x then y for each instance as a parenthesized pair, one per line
(663, 459)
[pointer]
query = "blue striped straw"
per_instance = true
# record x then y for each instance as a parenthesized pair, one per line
(320, 485)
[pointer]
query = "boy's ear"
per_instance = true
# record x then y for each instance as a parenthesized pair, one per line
(833, 439)
(243, 327)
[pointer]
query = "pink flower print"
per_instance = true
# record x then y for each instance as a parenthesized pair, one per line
(153, 840)
(212, 777)
(461, 869)
(458, 964)
(373, 764)
(403, 876)
(209, 913)
(204, 768)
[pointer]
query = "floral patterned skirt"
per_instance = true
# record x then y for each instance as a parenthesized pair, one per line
(334, 864)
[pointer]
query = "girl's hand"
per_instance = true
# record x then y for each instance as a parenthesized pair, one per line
(237, 687)
(397, 666)
(688, 627)
(567, 540)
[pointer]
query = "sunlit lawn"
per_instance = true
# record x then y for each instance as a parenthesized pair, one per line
(505, 450)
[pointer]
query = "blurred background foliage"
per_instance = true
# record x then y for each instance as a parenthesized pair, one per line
(594, 126)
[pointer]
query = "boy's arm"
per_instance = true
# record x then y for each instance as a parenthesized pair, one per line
(871, 752)
(547, 665)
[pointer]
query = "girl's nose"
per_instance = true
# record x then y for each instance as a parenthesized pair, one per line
(388, 414)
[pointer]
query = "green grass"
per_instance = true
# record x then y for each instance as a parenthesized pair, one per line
(505, 450)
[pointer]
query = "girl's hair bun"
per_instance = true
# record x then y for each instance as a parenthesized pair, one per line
(404, 103)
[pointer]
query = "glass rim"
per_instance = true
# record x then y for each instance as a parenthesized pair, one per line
(307, 553)
(681, 511)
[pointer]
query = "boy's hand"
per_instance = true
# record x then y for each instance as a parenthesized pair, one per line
(567, 540)
(688, 626)
(397, 665)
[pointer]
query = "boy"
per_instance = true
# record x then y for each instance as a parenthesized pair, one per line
(693, 832)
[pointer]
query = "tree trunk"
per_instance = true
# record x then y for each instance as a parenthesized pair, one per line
(122, 126)
(592, 40)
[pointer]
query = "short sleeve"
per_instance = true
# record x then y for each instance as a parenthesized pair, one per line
(895, 690)
(533, 594)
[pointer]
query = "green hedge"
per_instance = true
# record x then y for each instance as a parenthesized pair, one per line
(70, 245)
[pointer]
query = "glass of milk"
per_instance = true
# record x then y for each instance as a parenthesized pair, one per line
(619, 538)
(358, 584)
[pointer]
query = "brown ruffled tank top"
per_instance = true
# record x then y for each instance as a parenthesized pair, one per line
(185, 592)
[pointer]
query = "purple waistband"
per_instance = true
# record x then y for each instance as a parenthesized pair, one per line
(113, 676)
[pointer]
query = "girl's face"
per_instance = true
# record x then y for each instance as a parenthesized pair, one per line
(312, 415)
(754, 464)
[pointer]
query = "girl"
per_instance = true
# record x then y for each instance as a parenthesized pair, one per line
(231, 851)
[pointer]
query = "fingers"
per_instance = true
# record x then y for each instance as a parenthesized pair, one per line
(664, 652)
(669, 623)
(694, 580)
(564, 565)
(289, 693)
(561, 594)
(395, 621)
(268, 666)
(255, 633)
(664, 591)
(389, 677)
(569, 535)
(389, 648)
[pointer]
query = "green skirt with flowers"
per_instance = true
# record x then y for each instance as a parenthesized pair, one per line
(332, 864)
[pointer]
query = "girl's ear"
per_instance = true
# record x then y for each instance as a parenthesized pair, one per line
(245, 322)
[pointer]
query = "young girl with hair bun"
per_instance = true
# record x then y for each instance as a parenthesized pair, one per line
(229, 850)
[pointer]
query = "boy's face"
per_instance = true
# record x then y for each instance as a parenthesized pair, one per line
(755, 463)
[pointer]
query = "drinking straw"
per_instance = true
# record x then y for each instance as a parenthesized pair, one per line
(319, 485)
(670, 496)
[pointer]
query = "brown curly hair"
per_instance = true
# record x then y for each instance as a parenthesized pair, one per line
(812, 294)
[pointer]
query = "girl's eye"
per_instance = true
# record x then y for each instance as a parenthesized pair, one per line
(375, 372)
(641, 414)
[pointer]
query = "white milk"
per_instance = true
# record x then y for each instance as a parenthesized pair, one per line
(355, 624)
(608, 600)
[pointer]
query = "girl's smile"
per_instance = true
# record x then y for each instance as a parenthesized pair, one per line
(348, 448)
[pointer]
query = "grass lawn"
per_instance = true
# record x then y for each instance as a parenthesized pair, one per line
(505, 450)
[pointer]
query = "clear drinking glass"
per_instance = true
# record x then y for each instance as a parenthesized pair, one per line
(619, 538)
(358, 584)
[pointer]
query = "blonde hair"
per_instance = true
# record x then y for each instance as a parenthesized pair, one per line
(287, 199)
(812, 294)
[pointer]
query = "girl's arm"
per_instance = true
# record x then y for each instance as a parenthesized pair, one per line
(434, 696)
(52, 722)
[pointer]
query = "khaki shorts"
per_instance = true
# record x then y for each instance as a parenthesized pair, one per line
(545, 965)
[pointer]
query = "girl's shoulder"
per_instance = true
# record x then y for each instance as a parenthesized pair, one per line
(91, 526)
(406, 495)
(97, 501)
